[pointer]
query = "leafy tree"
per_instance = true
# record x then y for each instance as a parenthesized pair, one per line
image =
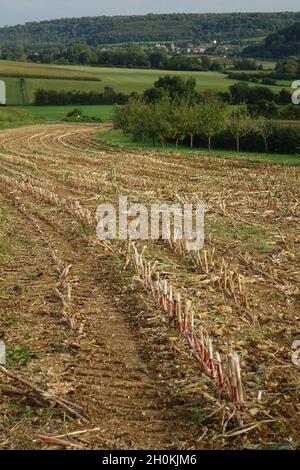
(290, 66)
(192, 124)
(283, 43)
(246, 64)
(158, 59)
(178, 88)
(145, 121)
(284, 97)
(267, 109)
(242, 93)
(213, 116)
(264, 127)
(178, 119)
(239, 124)
(155, 95)
(160, 115)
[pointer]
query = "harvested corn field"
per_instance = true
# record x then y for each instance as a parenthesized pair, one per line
(145, 345)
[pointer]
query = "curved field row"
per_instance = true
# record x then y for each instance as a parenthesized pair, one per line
(132, 375)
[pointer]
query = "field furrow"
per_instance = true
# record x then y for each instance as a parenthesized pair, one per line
(78, 324)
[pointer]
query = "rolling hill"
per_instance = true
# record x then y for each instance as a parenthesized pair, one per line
(119, 29)
(283, 43)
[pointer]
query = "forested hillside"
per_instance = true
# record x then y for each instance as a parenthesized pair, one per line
(168, 27)
(283, 43)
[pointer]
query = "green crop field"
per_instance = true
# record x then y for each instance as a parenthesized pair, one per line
(86, 78)
(267, 64)
(122, 80)
(26, 69)
(14, 93)
(127, 80)
(33, 84)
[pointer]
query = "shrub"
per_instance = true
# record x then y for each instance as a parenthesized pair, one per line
(75, 113)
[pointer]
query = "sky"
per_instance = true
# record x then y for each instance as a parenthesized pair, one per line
(19, 11)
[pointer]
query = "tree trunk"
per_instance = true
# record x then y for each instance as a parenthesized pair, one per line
(266, 145)
(237, 144)
(209, 143)
(177, 142)
(192, 140)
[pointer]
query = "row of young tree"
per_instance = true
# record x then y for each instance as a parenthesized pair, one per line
(166, 121)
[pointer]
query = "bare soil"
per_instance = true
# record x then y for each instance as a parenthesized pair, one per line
(108, 349)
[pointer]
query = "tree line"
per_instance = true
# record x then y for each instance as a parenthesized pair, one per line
(287, 69)
(103, 30)
(282, 43)
(260, 101)
(186, 117)
(130, 57)
(63, 97)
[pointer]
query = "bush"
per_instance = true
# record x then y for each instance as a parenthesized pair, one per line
(77, 116)
(75, 113)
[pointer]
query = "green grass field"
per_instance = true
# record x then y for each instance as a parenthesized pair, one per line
(32, 84)
(14, 93)
(82, 78)
(127, 80)
(86, 78)
(53, 114)
(267, 64)
(15, 117)
(116, 138)
(26, 69)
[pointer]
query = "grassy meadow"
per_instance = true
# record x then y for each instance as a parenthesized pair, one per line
(116, 138)
(23, 79)
(15, 117)
(14, 93)
(127, 80)
(33, 84)
(26, 69)
(57, 113)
